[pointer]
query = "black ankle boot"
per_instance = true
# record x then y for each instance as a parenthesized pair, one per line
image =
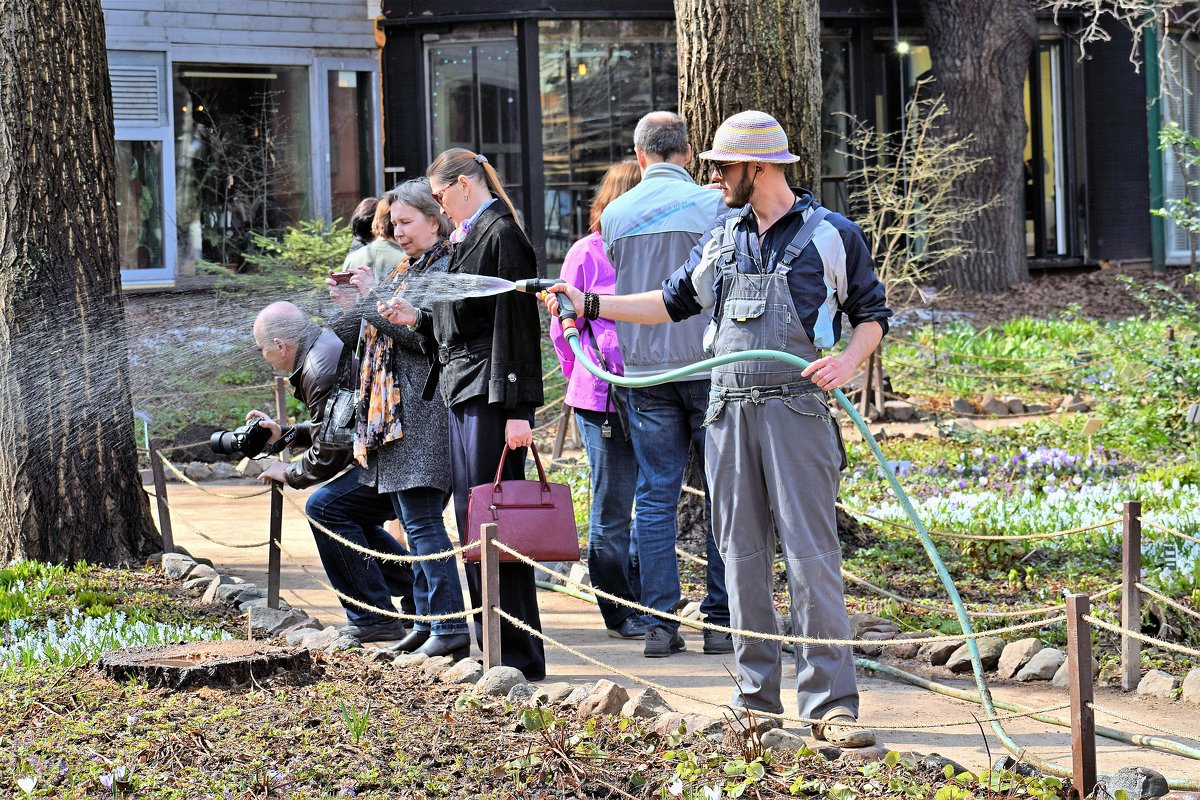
(457, 646)
(411, 642)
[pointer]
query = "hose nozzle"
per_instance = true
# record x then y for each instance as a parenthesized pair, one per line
(566, 309)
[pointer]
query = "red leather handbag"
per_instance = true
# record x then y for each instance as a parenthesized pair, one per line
(536, 518)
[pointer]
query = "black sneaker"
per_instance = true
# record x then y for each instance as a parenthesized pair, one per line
(718, 642)
(389, 631)
(661, 642)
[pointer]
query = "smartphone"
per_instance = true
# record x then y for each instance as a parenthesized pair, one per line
(341, 277)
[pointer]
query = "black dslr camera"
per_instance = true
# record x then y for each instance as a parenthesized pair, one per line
(249, 440)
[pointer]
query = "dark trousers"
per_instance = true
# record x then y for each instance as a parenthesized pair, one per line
(476, 443)
(357, 513)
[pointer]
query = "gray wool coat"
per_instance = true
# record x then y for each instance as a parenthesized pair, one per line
(421, 458)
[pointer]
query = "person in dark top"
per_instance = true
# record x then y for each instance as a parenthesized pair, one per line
(314, 358)
(488, 368)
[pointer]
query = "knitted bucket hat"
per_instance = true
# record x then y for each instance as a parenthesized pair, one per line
(750, 136)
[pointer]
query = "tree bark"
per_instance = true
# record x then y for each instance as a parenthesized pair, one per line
(69, 485)
(736, 55)
(980, 51)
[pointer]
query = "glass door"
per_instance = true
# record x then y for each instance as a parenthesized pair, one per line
(1047, 195)
(474, 103)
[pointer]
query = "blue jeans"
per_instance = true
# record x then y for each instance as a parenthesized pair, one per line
(614, 478)
(667, 422)
(357, 513)
(440, 592)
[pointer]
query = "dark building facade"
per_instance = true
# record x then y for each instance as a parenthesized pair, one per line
(551, 91)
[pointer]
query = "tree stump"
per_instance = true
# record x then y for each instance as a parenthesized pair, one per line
(228, 663)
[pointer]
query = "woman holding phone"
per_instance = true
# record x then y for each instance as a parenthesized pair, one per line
(488, 368)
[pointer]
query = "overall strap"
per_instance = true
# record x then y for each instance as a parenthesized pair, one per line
(729, 248)
(801, 240)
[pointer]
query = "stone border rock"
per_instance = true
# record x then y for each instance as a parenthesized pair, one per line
(644, 705)
(1025, 660)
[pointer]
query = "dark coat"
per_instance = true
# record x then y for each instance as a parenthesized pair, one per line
(490, 346)
(318, 357)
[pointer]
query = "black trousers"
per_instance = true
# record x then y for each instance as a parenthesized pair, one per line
(476, 442)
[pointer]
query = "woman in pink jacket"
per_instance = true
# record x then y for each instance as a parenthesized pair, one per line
(603, 423)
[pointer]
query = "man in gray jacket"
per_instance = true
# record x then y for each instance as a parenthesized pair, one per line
(648, 232)
(313, 359)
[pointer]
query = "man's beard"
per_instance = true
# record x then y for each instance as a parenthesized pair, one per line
(739, 193)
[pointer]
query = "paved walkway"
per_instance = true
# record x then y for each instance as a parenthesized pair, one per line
(577, 623)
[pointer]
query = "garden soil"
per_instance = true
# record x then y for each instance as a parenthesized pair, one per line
(908, 718)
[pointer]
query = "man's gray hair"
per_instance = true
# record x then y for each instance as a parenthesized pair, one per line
(284, 321)
(416, 193)
(662, 134)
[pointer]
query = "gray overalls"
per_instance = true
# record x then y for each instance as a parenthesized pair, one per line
(774, 458)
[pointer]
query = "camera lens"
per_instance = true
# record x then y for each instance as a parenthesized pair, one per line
(223, 443)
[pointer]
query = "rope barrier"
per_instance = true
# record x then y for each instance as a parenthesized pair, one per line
(174, 447)
(662, 689)
(175, 515)
(1141, 637)
(902, 398)
(1171, 531)
(368, 607)
(179, 474)
(992, 377)
(1164, 599)
(981, 537)
(1010, 359)
(1110, 713)
(928, 606)
(774, 637)
(689, 557)
(439, 556)
(222, 390)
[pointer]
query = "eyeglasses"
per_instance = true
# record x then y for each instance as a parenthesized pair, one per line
(437, 196)
(720, 166)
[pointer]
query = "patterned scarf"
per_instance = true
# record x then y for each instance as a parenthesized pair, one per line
(379, 391)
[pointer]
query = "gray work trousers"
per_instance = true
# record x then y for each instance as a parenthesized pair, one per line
(774, 465)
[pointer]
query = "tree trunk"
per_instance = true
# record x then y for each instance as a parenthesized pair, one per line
(980, 51)
(736, 55)
(69, 486)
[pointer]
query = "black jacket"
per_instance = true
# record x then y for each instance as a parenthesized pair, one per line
(315, 378)
(490, 346)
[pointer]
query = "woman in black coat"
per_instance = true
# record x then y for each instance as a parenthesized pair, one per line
(488, 368)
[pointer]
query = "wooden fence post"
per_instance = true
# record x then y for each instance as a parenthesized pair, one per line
(489, 567)
(160, 493)
(1083, 718)
(273, 551)
(1131, 597)
(274, 554)
(864, 399)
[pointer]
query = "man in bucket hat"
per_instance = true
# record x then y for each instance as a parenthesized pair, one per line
(777, 271)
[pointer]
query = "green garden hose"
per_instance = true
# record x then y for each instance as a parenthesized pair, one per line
(572, 336)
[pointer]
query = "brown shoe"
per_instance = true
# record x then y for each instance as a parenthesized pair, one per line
(843, 731)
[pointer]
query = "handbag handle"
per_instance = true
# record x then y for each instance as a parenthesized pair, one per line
(536, 460)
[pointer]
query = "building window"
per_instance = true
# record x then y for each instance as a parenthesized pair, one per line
(140, 204)
(351, 140)
(1181, 104)
(474, 104)
(598, 78)
(242, 160)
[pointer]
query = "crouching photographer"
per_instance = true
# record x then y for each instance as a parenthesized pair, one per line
(313, 357)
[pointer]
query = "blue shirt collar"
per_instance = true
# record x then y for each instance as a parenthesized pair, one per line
(475, 216)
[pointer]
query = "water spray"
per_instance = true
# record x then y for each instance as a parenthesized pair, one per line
(571, 334)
